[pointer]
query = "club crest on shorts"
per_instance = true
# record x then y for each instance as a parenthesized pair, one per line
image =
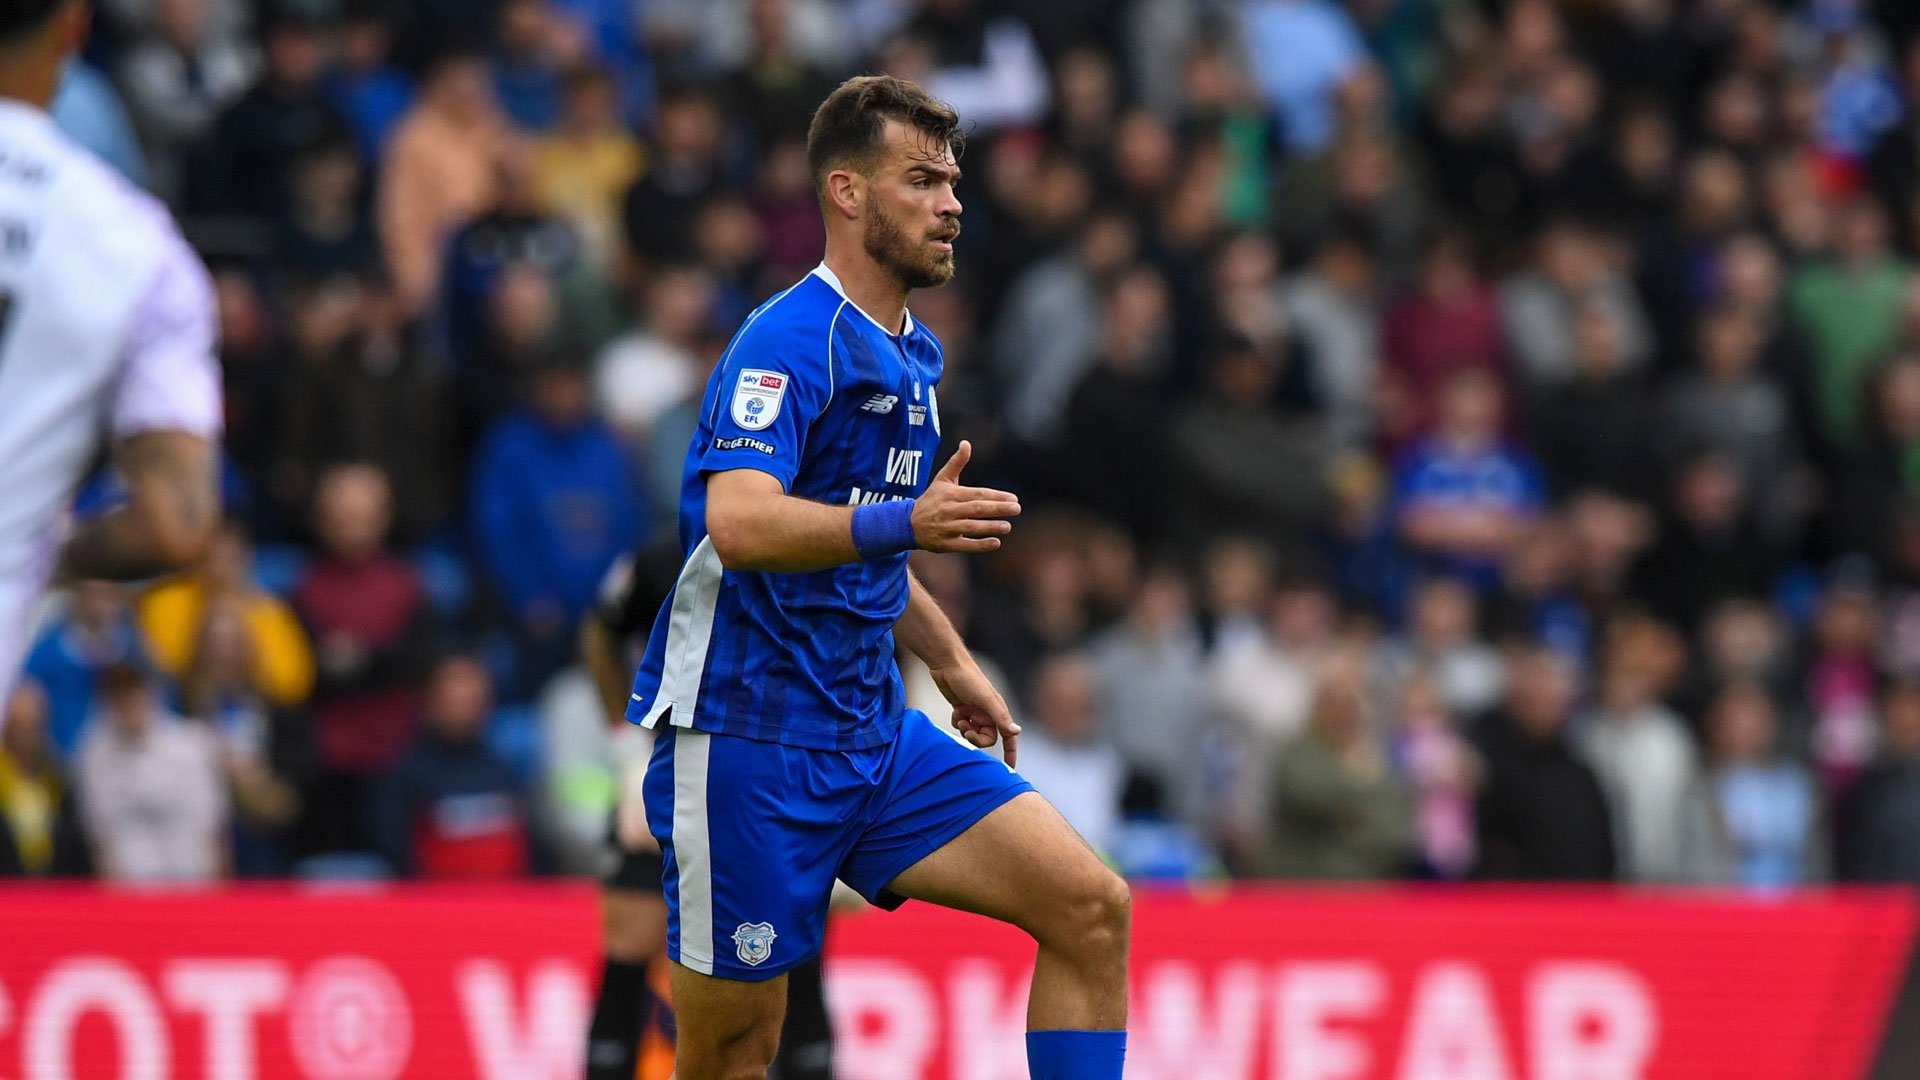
(754, 942)
(756, 398)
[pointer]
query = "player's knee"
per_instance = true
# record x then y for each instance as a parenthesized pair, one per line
(1097, 915)
(1112, 916)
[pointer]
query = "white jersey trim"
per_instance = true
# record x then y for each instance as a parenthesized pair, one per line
(689, 632)
(833, 279)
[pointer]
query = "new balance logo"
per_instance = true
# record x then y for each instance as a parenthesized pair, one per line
(880, 404)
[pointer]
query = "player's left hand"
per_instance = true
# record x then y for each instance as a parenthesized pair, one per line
(980, 714)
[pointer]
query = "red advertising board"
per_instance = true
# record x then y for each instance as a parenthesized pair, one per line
(495, 983)
(1409, 985)
(272, 983)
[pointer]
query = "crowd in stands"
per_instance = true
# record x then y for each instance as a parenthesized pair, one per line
(1461, 439)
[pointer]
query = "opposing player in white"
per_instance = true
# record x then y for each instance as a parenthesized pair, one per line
(107, 343)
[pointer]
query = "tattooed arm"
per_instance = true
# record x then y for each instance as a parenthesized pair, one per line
(171, 512)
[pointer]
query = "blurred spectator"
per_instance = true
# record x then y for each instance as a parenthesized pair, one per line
(364, 84)
(1334, 307)
(1879, 826)
(1151, 693)
(793, 234)
(440, 173)
(1893, 163)
(325, 229)
(1710, 548)
(776, 90)
(371, 626)
(1474, 164)
(1730, 404)
(89, 111)
(683, 171)
(39, 836)
(648, 371)
(1067, 754)
(1756, 819)
(532, 46)
(452, 809)
(945, 578)
(178, 77)
(554, 503)
(1300, 52)
(1850, 307)
(1442, 644)
(1842, 680)
(1339, 813)
(152, 792)
(584, 166)
(265, 753)
(95, 633)
(1047, 608)
(1464, 497)
(1236, 586)
(1050, 332)
(516, 237)
(1545, 308)
(1364, 183)
(1263, 684)
(1541, 816)
(1577, 427)
(1444, 774)
(170, 617)
(1869, 483)
(1113, 457)
(354, 389)
(1641, 752)
(1447, 323)
(1540, 597)
(983, 62)
(245, 169)
(1238, 462)
(1745, 640)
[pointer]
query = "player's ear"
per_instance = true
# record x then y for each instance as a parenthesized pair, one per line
(846, 192)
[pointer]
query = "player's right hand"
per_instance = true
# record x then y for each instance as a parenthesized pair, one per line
(949, 517)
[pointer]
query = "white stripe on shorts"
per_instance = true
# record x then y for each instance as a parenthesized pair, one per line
(692, 857)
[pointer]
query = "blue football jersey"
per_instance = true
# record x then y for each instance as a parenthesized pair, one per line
(817, 394)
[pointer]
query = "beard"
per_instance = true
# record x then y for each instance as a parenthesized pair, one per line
(912, 262)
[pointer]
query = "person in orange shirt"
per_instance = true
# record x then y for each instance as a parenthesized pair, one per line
(170, 617)
(441, 172)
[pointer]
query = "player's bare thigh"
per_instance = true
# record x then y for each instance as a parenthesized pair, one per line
(728, 1029)
(1025, 865)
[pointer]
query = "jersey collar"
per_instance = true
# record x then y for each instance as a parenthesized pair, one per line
(833, 279)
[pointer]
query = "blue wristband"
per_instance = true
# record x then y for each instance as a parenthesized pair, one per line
(883, 528)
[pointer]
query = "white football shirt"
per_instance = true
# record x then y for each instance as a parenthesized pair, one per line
(108, 329)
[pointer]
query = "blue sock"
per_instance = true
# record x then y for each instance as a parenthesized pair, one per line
(1076, 1055)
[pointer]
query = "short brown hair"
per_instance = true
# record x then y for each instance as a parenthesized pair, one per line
(850, 126)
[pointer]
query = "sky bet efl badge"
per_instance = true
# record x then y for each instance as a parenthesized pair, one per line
(756, 398)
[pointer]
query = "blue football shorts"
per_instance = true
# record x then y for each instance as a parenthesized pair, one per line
(755, 832)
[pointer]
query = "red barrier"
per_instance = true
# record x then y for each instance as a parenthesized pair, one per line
(494, 983)
(1409, 985)
(273, 983)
